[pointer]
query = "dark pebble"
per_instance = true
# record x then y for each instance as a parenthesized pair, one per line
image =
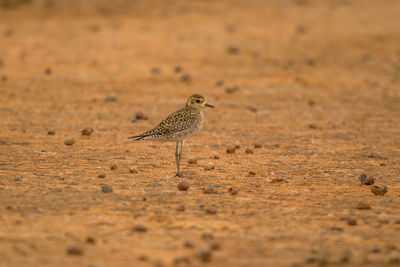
(111, 97)
(139, 228)
(181, 261)
(211, 210)
(233, 191)
(232, 89)
(233, 50)
(257, 145)
(188, 244)
(183, 185)
(143, 258)
(275, 145)
(216, 157)
(362, 205)
(101, 175)
(141, 116)
(51, 132)
(204, 254)
(132, 170)
(69, 141)
(230, 149)
(351, 221)
(106, 188)
(249, 151)
(4, 78)
(156, 70)
(379, 190)
(75, 250)
(207, 234)
(47, 71)
(87, 131)
(113, 166)
(90, 240)
(178, 69)
(186, 77)
(219, 83)
(312, 126)
(180, 208)
(366, 179)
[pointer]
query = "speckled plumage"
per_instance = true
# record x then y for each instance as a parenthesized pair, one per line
(179, 125)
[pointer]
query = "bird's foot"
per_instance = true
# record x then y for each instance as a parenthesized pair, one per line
(178, 174)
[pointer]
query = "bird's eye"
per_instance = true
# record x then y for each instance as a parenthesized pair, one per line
(197, 101)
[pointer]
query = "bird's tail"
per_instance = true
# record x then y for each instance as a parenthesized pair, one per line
(139, 137)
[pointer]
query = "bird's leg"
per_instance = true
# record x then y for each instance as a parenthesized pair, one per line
(178, 160)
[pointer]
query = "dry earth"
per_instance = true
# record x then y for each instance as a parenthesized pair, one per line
(316, 83)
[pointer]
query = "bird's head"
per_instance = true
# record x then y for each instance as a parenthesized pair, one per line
(198, 101)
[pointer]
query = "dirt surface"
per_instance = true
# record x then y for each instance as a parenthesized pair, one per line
(316, 83)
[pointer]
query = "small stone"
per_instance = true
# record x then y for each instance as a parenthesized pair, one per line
(209, 166)
(132, 170)
(17, 179)
(237, 146)
(312, 126)
(209, 190)
(207, 234)
(216, 157)
(87, 131)
(204, 254)
(186, 77)
(379, 190)
(252, 109)
(75, 250)
(252, 172)
(101, 175)
(192, 160)
(69, 141)
(181, 261)
(383, 218)
(230, 149)
(233, 50)
(232, 89)
(362, 205)
(215, 246)
(111, 97)
(366, 179)
(311, 103)
(219, 83)
(139, 228)
(113, 166)
(180, 208)
(141, 116)
(257, 145)
(188, 244)
(351, 221)
(143, 258)
(90, 240)
(277, 180)
(51, 132)
(249, 151)
(397, 221)
(233, 191)
(47, 71)
(156, 70)
(183, 185)
(106, 188)
(211, 210)
(275, 145)
(177, 69)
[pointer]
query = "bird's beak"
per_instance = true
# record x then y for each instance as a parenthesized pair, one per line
(208, 105)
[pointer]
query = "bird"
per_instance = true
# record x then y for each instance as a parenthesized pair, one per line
(179, 126)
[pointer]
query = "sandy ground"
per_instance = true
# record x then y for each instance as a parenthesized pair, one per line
(317, 85)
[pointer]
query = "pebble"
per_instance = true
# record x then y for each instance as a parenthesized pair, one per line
(216, 157)
(177, 69)
(209, 166)
(209, 190)
(139, 227)
(105, 188)
(113, 166)
(275, 145)
(237, 146)
(211, 210)
(75, 250)
(180, 208)
(51, 132)
(69, 141)
(87, 131)
(257, 145)
(277, 180)
(131, 170)
(233, 191)
(366, 179)
(231, 89)
(111, 97)
(183, 185)
(204, 254)
(362, 205)
(18, 178)
(47, 71)
(188, 244)
(379, 190)
(90, 240)
(351, 221)
(181, 261)
(383, 218)
(141, 116)
(312, 126)
(192, 160)
(233, 50)
(101, 175)
(186, 77)
(249, 151)
(156, 70)
(252, 172)
(230, 149)
(219, 83)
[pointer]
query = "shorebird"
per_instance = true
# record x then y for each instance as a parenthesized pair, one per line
(178, 126)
